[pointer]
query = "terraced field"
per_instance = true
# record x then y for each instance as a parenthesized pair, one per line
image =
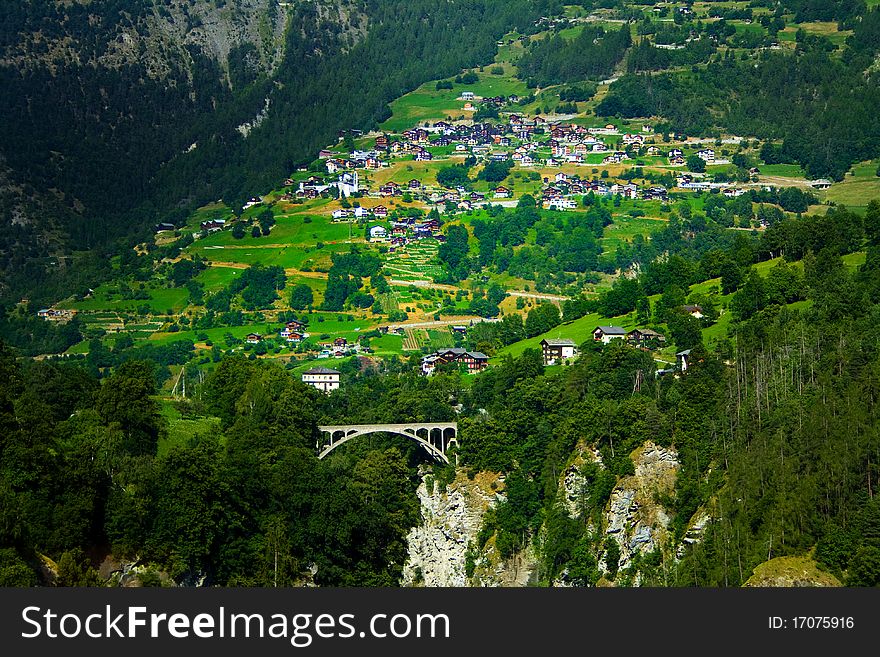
(415, 262)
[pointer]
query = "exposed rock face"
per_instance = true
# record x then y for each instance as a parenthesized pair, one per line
(451, 520)
(573, 483)
(634, 518)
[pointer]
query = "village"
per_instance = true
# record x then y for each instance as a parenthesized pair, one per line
(388, 191)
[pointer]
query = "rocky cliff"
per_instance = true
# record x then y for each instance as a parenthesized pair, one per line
(452, 518)
(635, 518)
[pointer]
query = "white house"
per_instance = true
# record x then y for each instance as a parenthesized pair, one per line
(606, 334)
(378, 232)
(322, 378)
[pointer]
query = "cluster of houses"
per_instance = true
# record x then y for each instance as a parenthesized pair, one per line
(474, 361)
(527, 141)
(408, 229)
(556, 195)
(562, 350)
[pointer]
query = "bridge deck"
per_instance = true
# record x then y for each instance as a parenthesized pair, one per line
(389, 427)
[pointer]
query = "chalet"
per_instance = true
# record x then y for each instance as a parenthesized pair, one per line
(554, 351)
(378, 233)
(693, 311)
(629, 190)
(674, 153)
(340, 342)
(292, 336)
(615, 158)
(707, 155)
(213, 225)
(415, 183)
(820, 184)
(429, 364)
(55, 314)
(158, 228)
(253, 338)
(606, 334)
(474, 361)
(380, 211)
(502, 192)
(424, 156)
(559, 203)
(382, 143)
(560, 177)
(653, 151)
(324, 154)
(340, 214)
(390, 189)
(658, 193)
(459, 330)
(322, 378)
(467, 95)
(643, 337)
(252, 201)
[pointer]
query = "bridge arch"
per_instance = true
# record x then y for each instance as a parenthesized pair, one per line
(435, 437)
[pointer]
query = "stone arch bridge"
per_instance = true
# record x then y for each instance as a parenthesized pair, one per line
(435, 437)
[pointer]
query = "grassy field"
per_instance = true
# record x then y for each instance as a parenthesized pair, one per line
(860, 186)
(288, 257)
(783, 170)
(823, 29)
(161, 300)
(426, 103)
(217, 278)
(625, 228)
(182, 430)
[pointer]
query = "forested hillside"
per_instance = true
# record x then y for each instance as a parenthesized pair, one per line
(157, 108)
(631, 248)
